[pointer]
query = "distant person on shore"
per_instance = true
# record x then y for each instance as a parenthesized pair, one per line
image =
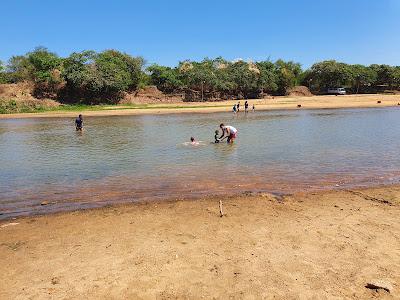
(254, 108)
(234, 109)
(216, 139)
(79, 123)
(246, 106)
(228, 132)
(238, 106)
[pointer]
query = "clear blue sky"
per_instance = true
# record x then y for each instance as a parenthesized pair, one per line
(165, 32)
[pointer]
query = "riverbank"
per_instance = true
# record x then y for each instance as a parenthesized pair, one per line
(314, 102)
(321, 245)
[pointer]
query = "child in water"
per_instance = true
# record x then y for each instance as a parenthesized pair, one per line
(216, 137)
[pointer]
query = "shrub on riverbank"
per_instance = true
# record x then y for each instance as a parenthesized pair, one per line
(105, 77)
(9, 106)
(100, 77)
(87, 76)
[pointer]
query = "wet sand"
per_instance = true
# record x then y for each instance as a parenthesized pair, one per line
(314, 102)
(324, 245)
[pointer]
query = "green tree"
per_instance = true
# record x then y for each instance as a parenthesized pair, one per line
(198, 77)
(224, 83)
(79, 73)
(363, 78)
(144, 80)
(166, 79)
(329, 74)
(43, 63)
(19, 69)
(385, 75)
(2, 74)
(396, 75)
(45, 72)
(93, 76)
(287, 74)
(245, 79)
(116, 71)
(267, 81)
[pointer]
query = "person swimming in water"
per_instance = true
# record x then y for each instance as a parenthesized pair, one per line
(79, 123)
(228, 132)
(194, 142)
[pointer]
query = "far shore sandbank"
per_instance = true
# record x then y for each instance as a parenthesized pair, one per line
(277, 103)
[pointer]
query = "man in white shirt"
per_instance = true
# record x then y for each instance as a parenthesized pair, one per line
(228, 132)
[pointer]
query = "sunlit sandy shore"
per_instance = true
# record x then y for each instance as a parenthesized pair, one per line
(325, 245)
(315, 102)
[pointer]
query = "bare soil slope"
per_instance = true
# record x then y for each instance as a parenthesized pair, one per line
(150, 94)
(18, 97)
(299, 91)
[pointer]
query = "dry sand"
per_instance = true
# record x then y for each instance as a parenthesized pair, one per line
(324, 245)
(314, 102)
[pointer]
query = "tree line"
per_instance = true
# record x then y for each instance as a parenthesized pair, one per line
(103, 77)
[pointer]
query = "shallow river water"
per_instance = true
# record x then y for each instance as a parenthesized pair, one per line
(131, 158)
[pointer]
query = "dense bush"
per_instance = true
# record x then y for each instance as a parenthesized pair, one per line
(101, 77)
(86, 76)
(45, 72)
(221, 79)
(165, 78)
(356, 78)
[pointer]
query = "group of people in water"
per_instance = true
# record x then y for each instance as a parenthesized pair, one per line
(228, 132)
(236, 107)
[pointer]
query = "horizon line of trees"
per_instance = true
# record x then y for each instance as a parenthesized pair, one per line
(104, 77)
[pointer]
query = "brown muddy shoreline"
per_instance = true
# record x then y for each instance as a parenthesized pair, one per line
(321, 245)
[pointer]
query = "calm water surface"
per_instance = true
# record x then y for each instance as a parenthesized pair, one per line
(132, 158)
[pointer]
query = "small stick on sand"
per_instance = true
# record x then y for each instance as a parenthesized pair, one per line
(221, 213)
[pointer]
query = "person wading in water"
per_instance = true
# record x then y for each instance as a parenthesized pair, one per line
(228, 132)
(79, 123)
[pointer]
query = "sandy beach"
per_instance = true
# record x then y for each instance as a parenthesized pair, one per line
(324, 245)
(314, 102)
